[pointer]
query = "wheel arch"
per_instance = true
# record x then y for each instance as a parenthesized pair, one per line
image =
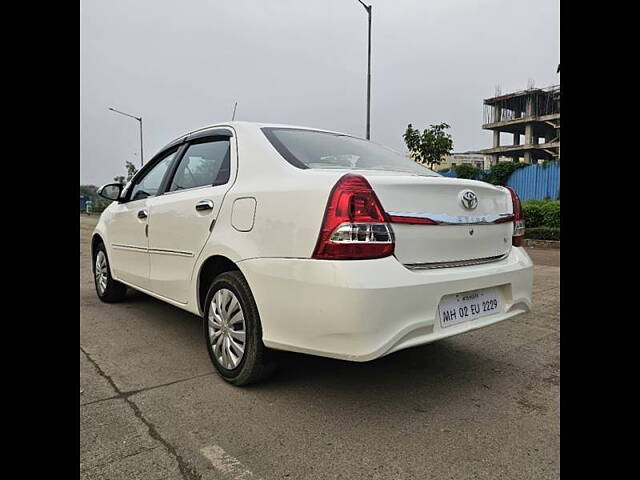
(209, 270)
(96, 239)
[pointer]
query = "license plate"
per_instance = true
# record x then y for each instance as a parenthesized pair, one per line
(466, 306)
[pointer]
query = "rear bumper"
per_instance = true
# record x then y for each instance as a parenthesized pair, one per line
(363, 309)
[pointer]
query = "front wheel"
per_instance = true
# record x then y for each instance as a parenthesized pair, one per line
(233, 332)
(108, 289)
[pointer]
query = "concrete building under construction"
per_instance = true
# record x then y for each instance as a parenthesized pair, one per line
(533, 114)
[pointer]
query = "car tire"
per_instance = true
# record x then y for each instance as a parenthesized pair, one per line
(108, 289)
(231, 324)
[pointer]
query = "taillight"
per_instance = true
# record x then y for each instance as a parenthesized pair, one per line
(355, 226)
(518, 219)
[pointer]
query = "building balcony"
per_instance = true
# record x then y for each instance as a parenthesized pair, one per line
(517, 125)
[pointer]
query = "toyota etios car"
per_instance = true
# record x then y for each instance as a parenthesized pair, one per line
(312, 241)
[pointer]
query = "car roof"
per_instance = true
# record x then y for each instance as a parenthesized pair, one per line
(243, 124)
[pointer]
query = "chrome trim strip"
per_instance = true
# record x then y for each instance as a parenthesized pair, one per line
(159, 251)
(458, 263)
(166, 251)
(445, 219)
(119, 246)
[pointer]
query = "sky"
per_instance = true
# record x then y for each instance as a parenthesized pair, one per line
(182, 65)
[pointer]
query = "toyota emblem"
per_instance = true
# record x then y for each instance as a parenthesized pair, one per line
(468, 199)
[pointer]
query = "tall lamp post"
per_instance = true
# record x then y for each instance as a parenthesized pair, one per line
(139, 119)
(368, 9)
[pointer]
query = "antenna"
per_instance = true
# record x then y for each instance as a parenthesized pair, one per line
(234, 111)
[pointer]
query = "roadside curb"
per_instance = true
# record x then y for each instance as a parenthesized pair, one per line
(533, 243)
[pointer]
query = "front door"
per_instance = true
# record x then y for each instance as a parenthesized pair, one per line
(128, 227)
(181, 220)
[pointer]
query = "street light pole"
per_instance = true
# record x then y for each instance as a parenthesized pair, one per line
(368, 9)
(139, 119)
(141, 147)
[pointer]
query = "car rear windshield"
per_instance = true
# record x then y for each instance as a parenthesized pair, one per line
(316, 149)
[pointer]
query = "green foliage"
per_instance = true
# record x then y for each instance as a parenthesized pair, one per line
(542, 219)
(543, 233)
(533, 213)
(431, 145)
(500, 172)
(552, 215)
(98, 204)
(541, 213)
(467, 170)
(131, 170)
(89, 190)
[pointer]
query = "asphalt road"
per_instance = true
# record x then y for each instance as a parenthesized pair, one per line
(483, 405)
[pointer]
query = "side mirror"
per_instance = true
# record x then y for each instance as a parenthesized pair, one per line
(111, 191)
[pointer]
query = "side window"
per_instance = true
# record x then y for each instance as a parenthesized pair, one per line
(206, 162)
(149, 185)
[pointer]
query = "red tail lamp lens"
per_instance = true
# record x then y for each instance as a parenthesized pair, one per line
(518, 219)
(355, 226)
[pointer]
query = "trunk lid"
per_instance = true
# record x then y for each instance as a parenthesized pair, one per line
(462, 234)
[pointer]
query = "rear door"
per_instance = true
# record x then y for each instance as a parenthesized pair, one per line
(181, 220)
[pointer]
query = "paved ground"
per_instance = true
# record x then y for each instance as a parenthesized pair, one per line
(484, 405)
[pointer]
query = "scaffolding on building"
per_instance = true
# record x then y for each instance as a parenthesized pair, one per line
(533, 113)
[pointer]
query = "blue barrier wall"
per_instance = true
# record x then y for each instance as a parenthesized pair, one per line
(536, 182)
(533, 182)
(450, 174)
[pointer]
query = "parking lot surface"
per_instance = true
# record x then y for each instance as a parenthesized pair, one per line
(482, 405)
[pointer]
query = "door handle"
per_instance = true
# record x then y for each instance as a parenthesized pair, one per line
(204, 205)
(142, 214)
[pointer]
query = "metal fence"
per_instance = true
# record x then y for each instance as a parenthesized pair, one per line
(535, 182)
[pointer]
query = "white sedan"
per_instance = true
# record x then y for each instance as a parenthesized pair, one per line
(291, 238)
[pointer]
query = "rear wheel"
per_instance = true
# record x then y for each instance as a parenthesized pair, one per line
(233, 333)
(108, 289)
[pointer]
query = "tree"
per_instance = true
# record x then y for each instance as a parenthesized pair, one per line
(89, 190)
(467, 170)
(430, 146)
(499, 173)
(131, 170)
